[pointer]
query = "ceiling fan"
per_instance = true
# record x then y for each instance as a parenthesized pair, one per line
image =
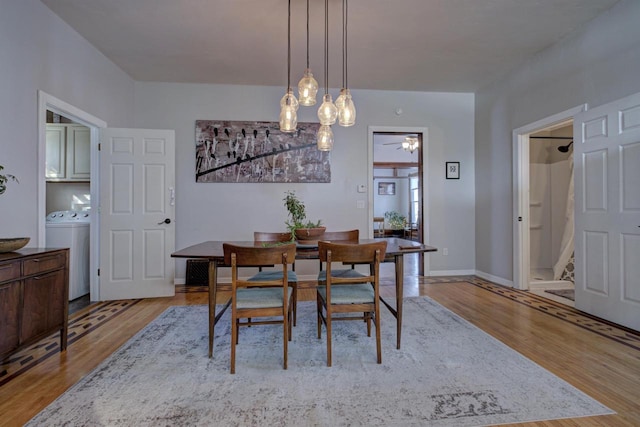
(410, 143)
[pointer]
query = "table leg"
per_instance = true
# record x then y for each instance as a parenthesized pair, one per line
(213, 281)
(399, 262)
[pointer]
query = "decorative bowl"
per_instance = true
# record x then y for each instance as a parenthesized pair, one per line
(309, 233)
(13, 244)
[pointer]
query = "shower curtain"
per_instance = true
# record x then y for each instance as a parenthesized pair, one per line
(566, 246)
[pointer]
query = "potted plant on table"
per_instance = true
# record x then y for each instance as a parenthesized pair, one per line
(297, 224)
(396, 221)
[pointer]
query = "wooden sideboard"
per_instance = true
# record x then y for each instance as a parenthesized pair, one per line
(34, 289)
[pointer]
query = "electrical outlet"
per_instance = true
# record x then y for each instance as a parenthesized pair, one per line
(360, 204)
(445, 251)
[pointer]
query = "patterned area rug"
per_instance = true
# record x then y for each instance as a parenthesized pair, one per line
(448, 373)
(564, 293)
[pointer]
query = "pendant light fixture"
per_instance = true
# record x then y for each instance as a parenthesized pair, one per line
(327, 113)
(344, 102)
(325, 138)
(308, 86)
(288, 103)
(410, 144)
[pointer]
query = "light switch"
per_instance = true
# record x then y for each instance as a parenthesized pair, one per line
(362, 188)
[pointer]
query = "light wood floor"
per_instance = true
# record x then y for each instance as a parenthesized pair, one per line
(600, 359)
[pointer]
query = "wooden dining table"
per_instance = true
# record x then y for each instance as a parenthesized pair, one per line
(213, 252)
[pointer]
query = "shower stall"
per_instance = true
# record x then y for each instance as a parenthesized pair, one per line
(551, 211)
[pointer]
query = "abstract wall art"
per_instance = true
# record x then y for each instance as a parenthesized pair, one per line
(241, 152)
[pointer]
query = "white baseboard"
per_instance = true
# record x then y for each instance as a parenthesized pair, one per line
(179, 281)
(494, 279)
(452, 272)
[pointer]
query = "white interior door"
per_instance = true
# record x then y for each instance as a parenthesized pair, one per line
(607, 211)
(137, 205)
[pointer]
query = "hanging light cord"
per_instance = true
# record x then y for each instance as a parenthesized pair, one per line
(346, 20)
(307, 34)
(289, 48)
(344, 44)
(326, 46)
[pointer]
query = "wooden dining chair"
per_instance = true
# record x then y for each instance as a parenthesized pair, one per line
(267, 299)
(348, 291)
(348, 235)
(378, 226)
(340, 236)
(267, 238)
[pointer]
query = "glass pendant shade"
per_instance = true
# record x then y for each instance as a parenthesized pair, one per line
(346, 108)
(288, 112)
(327, 113)
(289, 99)
(325, 138)
(307, 89)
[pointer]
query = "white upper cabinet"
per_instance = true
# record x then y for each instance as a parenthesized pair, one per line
(68, 153)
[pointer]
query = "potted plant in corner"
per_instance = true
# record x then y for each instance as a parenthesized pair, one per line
(297, 224)
(396, 221)
(13, 243)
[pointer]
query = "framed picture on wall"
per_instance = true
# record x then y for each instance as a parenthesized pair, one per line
(387, 188)
(453, 170)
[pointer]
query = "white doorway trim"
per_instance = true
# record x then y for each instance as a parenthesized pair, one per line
(521, 253)
(51, 103)
(424, 150)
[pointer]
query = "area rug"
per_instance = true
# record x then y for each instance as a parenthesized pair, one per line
(448, 373)
(564, 293)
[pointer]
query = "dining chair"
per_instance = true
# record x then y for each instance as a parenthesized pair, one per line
(340, 236)
(267, 238)
(348, 235)
(267, 299)
(378, 226)
(347, 291)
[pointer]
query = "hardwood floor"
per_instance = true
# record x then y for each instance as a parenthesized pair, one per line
(601, 359)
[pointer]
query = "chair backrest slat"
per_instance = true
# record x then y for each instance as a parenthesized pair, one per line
(349, 253)
(349, 235)
(255, 256)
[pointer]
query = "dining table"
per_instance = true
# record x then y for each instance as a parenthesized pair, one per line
(213, 251)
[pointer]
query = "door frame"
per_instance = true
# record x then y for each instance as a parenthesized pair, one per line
(51, 103)
(422, 133)
(521, 232)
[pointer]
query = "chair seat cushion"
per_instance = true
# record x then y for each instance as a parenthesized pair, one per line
(349, 294)
(347, 273)
(260, 297)
(274, 275)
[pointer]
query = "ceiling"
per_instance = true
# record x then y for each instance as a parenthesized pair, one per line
(406, 45)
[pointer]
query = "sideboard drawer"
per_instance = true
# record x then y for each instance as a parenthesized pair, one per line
(9, 271)
(43, 263)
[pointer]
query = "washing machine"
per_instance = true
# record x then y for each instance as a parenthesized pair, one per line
(70, 229)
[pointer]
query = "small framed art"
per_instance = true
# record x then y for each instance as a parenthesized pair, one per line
(453, 170)
(387, 188)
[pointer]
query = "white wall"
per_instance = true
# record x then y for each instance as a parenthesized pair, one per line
(598, 64)
(209, 211)
(38, 51)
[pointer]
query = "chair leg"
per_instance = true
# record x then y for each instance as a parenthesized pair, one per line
(285, 335)
(290, 314)
(234, 340)
(378, 341)
(328, 338)
(367, 317)
(294, 300)
(319, 313)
